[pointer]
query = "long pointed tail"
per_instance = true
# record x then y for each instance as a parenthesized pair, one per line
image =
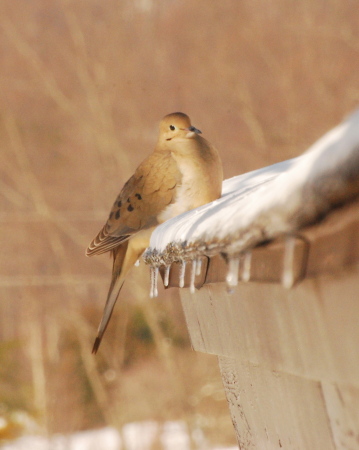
(125, 257)
(120, 269)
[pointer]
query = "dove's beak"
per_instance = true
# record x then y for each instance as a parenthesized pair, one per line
(194, 130)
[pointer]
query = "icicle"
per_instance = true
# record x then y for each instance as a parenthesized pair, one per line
(288, 262)
(198, 266)
(152, 276)
(182, 274)
(154, 279)
(232, 274)
(167, 275)
(193, 276)
(246, 273)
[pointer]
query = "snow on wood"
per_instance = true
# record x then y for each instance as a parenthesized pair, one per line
(259, 206)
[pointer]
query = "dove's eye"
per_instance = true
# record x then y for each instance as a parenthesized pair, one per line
(172, 127)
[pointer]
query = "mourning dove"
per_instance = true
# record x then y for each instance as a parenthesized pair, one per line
(183, 172)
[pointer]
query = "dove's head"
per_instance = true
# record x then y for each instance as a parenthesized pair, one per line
(177, 126)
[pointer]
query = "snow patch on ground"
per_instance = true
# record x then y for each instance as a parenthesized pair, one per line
(134, 436)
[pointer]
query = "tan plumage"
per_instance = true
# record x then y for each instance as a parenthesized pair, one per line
(183, 172)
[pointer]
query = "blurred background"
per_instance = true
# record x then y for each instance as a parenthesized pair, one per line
(84, 84)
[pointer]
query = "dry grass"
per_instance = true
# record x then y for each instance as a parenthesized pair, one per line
(84, 84)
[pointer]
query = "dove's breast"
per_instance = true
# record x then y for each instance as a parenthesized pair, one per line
(195, 189)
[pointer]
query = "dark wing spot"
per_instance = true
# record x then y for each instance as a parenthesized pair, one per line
(111, 214)
(138, 196)
(130, 208)
(128, 200)
(118, 213)
(119, 203)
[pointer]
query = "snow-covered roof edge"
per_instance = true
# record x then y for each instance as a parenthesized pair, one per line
(263, 204)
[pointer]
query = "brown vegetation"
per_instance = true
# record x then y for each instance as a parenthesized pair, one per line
(84, 84)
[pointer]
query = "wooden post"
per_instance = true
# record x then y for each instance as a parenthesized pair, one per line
(289, 358)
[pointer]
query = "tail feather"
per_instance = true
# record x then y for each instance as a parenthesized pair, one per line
(124, 257)
(120, 269)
